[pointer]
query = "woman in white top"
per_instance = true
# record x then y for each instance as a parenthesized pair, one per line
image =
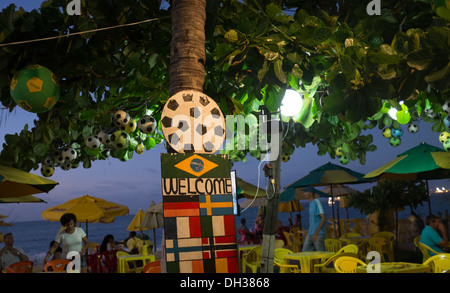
(73, 239)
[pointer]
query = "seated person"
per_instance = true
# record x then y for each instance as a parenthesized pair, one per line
(246, 234)
(430, 235)
(10, 254)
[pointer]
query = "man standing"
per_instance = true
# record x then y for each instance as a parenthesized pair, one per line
(10, 254)
(431, 237)
(315, 240)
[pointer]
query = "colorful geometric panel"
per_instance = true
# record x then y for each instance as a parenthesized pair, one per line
(182, 227)
(180, 206)
(183, 249)
(216, 204)
(199, 224)
(219, 247)
(217, 226)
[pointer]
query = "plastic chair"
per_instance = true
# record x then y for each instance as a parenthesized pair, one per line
(324, 267)
(20, 267)
(350, 248)
(152, 267)
(439, 263)
(279, 253)
(110, 260)
(128, 269)
(57, 265)
(374, 244)
(347, 264)
(425, 249)
(293, 245)
(388, 248)
(252, 259)
(332, 244)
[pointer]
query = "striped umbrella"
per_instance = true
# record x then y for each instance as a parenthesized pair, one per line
(423, 162)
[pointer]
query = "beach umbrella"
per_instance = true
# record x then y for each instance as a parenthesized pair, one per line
(17, 183)
(423, 162)
(253, 202)
(153, 219)
(22, 199)
(248, 190)
(330, 174)
(87, 209)
(135, 224)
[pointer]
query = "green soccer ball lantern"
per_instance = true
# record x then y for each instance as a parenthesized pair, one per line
(35, 89)
(446, 145)
(344, 160)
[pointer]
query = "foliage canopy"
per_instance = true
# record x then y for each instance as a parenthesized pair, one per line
(350, 67)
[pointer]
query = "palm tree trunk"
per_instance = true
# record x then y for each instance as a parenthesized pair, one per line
(187, 61)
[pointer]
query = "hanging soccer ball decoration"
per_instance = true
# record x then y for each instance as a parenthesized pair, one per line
(447, 122)
(446, 145)
(344, 160)
(444, 136)
(35, 89)
(395, 141)
(285, 157)
(413, 128)
(446, 107)
(397, 133)
(193, 122)
(147, 124)
(387, 132)
(47, 170)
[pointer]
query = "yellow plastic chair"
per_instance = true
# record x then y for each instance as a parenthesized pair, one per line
(279, 243)
(252, 259)
(332, 244)
(374, 244)
(325, 266)
(388, 248)
(294, 246)
(425, 249)
(439, 263)
(128, 269)
(278, 261)
(297, 239)
(347, 264)
(350, 248)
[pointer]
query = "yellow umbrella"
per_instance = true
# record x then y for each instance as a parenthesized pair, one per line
(17, 183)
(135, 224)
(290, 206)
(22, 199)
(87, 209)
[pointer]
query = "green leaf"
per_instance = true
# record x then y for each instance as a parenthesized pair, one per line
(232, 36)
(87, 114)
(40, 149)
(278, 68)
(403, 115)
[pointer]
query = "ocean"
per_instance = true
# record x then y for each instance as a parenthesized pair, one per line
(34, 237)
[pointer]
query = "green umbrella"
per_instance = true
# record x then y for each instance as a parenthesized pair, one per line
(330, 174)
(423, 162)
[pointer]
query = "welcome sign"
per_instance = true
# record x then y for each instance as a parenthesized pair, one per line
(199, 227)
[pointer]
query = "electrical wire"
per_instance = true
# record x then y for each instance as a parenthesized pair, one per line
(83, 32)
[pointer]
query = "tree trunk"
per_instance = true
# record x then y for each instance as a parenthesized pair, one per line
(187, 60)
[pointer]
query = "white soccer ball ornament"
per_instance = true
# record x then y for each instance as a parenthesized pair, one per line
(47, 170)
(92, 142)
(121, 118)
(69, 154)
(66, 166)
(446, 107)
(413, 128)
(147, 124)
(58, 159)
(104, 138)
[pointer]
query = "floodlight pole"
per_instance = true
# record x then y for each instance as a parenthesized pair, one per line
(271, 218)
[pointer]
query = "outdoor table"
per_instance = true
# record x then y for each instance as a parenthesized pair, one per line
(307, 258)
(397, 267)
(133, 257)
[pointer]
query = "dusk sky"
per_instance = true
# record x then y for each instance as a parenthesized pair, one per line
(137, 183)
